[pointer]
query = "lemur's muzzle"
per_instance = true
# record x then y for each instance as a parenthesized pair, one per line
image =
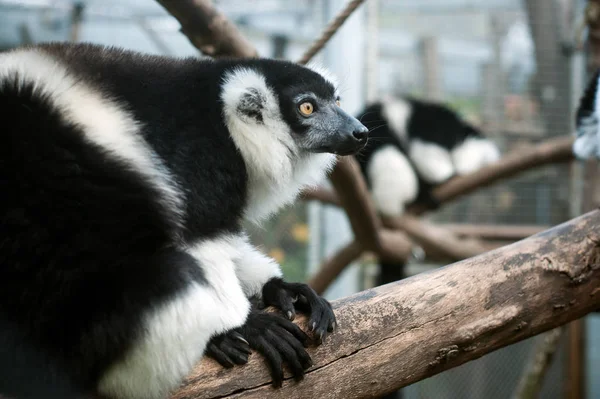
(351, 136)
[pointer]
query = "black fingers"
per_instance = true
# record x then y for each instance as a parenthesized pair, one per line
(279, 341)
(273, 358)
(292, 329)
(298, 347)
(229, 349)
(290, 350)
(213, 351)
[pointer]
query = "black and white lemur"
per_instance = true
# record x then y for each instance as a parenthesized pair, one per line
(124, 181)
(415, 145)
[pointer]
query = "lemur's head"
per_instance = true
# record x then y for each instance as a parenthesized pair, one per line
(298, 106)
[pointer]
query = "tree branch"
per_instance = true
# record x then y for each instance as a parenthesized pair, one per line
(208, 30)
(393, 243)
(440, 241)
(334, 266)
(400, 333)
(531, 381)
(552, 151)
(354, 197)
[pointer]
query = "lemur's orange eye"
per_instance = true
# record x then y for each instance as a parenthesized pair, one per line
(306, 108)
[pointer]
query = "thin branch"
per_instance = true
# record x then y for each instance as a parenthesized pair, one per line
(355, 199)
(395, 244)
(208, 30)
(553, 151)
(400, 333)
(334, 266)
(321, 194)
(442, 242)
(532, 379)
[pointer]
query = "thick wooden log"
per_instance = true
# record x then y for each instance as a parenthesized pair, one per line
(397, 334)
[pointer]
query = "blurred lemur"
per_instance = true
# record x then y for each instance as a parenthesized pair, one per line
(124, 181)
(415, 145)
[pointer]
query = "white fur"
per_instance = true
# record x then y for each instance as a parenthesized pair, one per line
(103, 121)
(276, 170)
(587, 142)
(396, 112)
(253, 268)
(433, 163)
(393, 181)
(473, 154)
(176, 334)
(595, 116)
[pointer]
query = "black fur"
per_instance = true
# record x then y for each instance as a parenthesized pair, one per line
(86, 247)
(587, 102)
(276, 338)
(81, 237)
(436, 123)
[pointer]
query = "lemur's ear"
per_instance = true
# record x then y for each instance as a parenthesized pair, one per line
(246, 94)
(252, 103)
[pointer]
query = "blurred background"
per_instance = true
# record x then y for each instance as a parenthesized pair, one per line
(512, 67)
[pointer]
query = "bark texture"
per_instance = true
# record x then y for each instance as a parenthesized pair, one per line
(394, 335)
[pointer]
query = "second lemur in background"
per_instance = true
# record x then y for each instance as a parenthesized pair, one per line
(415, 145)
(587, 131)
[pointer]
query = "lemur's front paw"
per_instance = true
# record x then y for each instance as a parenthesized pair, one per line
(229, 348)
(290, 297)
(278, 340)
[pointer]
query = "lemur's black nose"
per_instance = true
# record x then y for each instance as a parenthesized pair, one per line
(361, 133)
